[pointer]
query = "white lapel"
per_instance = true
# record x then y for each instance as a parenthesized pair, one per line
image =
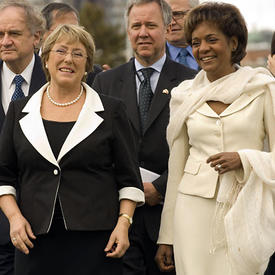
(86, 123)
(33, 128)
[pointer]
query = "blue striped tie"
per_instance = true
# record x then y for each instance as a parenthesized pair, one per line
(18, 93)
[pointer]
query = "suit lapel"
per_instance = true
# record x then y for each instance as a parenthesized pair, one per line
(38, 76)
(160, 99)
(128, 88)
(86, 123)
(33, 128)
(2, 113)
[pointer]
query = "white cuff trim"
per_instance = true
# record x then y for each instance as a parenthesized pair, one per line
(7, 190)
(133, 194)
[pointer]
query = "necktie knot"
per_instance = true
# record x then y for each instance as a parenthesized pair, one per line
(147, 73)
(182, 56)
(18, 80)
(183, 52)
(18, 93)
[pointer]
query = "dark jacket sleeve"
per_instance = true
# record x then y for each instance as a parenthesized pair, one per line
(8, 159)
(124, 151)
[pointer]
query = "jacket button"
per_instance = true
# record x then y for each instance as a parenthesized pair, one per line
(218, 122)
(55, 172)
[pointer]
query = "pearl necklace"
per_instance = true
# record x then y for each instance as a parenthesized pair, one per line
(66, 103)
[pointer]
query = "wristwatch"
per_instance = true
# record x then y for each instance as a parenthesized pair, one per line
(130, 219)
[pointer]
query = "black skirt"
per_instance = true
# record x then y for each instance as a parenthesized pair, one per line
(62, 252)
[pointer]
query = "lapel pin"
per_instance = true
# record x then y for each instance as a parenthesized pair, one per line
(165, 91)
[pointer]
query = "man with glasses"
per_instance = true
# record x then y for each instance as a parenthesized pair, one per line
(176, 46)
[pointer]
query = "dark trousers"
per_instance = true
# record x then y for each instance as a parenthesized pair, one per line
(271, 266)
(7, 259)
(139, 258)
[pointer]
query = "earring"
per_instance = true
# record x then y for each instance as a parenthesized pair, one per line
(85, 73)
(46, 66)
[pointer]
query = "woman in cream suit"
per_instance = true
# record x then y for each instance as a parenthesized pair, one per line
(218, 211)
(68, 155)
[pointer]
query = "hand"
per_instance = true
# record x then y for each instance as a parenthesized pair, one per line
(21, 233)
(164, 258)
(152, 196)
(118, 242)
(225, 161)
(271, 64)
(106, 67)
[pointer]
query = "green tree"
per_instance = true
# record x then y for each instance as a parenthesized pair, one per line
(110, 41)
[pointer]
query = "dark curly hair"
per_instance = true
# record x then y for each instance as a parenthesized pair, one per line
(226, 17)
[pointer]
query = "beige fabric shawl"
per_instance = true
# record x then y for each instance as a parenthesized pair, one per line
(250, 223)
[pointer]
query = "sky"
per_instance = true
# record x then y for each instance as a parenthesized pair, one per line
(258, 14)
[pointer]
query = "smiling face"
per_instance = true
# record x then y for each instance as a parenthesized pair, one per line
(212, 50)
(175, 34)
(146, 32)
(66, 63)
(16, 41)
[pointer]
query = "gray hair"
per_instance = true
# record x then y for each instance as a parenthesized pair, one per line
(34, 20)
(164, 7)
(193, 3)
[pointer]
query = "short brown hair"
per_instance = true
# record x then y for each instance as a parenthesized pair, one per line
(75, 34)
(224, 16)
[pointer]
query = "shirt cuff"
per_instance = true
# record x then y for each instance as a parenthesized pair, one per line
(7, 190)
(133, 194)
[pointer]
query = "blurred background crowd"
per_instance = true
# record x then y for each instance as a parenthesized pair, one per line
(114, 49)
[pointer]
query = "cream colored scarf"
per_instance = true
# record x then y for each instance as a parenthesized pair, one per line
(191, 94)
(186, 99)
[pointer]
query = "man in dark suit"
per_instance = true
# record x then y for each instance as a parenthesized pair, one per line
(55, 14)
(147, 24)
(20, 33)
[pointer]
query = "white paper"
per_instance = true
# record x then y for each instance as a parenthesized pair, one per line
(147, 175)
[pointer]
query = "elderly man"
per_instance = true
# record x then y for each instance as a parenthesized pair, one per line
(21, 75)
(55, 14)
(176, 46)
(144, 84)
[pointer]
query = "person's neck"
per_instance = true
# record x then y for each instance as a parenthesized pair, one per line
(147, 62)
(18, 66)
(178, 44)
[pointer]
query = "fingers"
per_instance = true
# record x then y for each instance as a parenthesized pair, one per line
(22, 242)
(225, 161)
(116, 249)
(164, 258)
(21, 233)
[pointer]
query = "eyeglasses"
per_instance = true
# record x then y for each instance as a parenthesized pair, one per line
(75, 54)
(179, 14)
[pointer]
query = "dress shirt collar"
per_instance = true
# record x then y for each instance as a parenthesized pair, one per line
(174, 51)
(26, 74)
(157, 66)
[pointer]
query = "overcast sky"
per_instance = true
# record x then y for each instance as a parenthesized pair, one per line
(258, 14)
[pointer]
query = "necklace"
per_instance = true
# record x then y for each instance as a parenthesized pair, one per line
(66, 103)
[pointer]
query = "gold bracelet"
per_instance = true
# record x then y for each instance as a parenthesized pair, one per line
(129, 219)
